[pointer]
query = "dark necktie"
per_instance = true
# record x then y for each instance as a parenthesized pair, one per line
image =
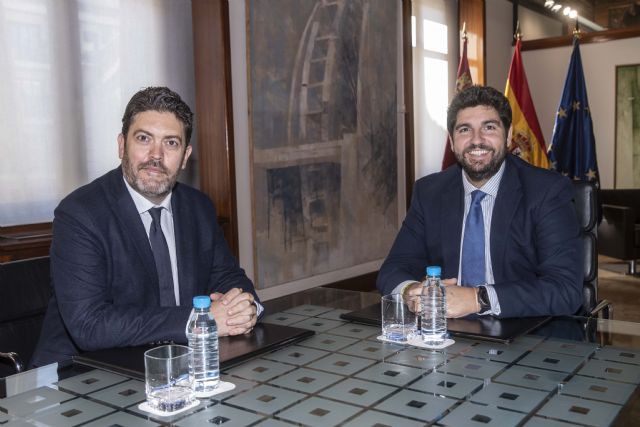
(163, 261)
(473, 266)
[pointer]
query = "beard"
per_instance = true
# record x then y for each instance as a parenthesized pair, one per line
(478, 171)
(149, 187)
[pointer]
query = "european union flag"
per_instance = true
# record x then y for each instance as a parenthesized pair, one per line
(573, 146)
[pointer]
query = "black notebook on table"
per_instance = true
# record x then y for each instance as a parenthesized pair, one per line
(265, 337)
(476, 327)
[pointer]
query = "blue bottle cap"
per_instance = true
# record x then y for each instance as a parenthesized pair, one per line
(201, 301)
(434, 270)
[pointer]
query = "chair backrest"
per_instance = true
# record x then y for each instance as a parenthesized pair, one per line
(586, 202)
(629, 197)
(25, 291)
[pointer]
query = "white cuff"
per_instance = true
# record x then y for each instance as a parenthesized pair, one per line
(259, 308)
(493, 300)
(398, 289)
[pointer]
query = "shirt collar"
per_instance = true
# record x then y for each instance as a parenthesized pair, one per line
(142, 204)
(490, 187)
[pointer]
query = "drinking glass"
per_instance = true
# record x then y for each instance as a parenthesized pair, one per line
(398, 321)
(168, 385)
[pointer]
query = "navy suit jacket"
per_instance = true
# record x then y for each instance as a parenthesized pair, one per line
(104, 277)
(536, 251)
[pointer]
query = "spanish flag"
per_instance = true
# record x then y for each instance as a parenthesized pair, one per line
(527, 141)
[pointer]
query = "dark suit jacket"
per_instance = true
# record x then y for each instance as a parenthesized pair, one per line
(536, 251)
(104, 277)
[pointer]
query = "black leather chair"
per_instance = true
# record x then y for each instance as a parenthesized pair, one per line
(619, 232)
(586, 202)
(24, 294)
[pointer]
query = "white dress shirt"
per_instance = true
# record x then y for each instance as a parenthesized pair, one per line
(166, 222)
(490, 188)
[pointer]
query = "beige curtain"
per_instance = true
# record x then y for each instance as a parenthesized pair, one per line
(68, 69)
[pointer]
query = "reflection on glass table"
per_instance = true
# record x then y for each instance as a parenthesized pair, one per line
(569, 371)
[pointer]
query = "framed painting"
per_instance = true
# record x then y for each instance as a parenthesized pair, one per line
(627, 163)
(324, 141)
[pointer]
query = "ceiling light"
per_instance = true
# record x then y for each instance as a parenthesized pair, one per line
(556, 7)
(573, 14)
(566, 11)
(549, 3)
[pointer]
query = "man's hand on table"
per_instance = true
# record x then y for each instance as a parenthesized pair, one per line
(235, 312)
(461, 300)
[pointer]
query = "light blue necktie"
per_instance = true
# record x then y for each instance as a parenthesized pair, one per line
(473, 266)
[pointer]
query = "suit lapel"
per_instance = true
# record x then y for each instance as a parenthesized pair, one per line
(507, 202)
(129, 219)
(451, 212)
(184, 254)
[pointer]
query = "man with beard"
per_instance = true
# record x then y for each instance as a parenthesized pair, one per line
(504, 232)
(131, 249)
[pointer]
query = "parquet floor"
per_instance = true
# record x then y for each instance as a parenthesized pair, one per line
(622, 290)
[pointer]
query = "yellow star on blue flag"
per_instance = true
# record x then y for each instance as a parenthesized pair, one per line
(562, 113)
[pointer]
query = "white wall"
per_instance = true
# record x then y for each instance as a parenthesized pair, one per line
(546, 71)
(534, 25)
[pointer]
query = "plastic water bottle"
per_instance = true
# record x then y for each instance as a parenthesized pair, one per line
(202, 333)
(433, 308)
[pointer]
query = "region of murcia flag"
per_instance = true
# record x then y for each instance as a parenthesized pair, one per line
(463, 81)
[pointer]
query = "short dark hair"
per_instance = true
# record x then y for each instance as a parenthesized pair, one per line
(474, 96)
(162, 99)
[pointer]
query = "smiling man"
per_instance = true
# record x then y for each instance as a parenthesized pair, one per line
(131, 249)
(504, 232)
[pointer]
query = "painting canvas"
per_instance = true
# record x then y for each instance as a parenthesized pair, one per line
(324, 139)
(627, 169)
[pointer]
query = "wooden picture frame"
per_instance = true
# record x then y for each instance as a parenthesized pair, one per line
(627, 145)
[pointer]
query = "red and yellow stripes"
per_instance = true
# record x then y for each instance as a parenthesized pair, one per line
(526, 139)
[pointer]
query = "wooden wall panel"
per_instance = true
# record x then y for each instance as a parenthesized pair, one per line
(472, 12)
(25, 241)
(407, 69)
(595, 37)
(214, 112)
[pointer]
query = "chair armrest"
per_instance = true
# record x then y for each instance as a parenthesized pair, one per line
(616, 233)
(605, 307)
(13, 359)
(617, 213)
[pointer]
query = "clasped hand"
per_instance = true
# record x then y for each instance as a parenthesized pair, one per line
(461, 300)
(235, 312)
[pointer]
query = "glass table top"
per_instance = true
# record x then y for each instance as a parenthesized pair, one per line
(572, 373)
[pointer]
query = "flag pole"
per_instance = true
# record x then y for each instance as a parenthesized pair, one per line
(577, 34)
(517, 36)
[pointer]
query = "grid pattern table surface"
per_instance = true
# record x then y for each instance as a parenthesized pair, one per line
(344, 376)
